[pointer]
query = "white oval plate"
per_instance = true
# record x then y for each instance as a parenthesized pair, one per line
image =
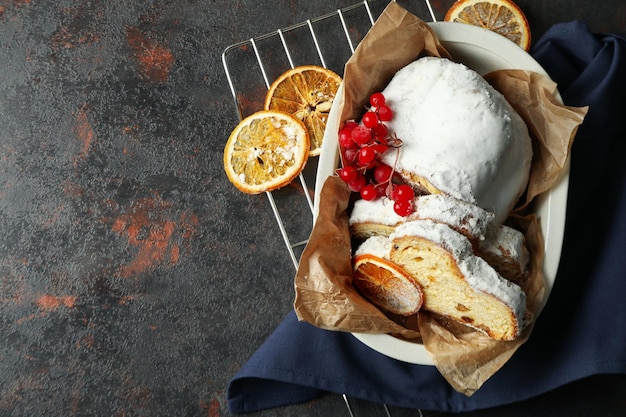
(484, 51)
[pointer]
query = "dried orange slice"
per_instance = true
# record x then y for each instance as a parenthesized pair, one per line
(386, 285)
(266, 151)
(501, 16)
(307, 92)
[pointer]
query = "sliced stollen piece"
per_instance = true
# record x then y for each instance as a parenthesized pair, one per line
(466, 218)
(373, 218)
(377, 217)
(383, 282)
(455, 282)
(505, 249)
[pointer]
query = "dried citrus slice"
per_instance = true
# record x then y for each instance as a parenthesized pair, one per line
(307, 92)
(386, 285)
(266, 151)
(501, 16)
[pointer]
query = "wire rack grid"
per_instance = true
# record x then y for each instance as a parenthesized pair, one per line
(252, 64)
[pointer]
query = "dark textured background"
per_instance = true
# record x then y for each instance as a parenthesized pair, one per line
(134, 279)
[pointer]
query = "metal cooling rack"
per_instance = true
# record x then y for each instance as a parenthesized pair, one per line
(251, 66)
(329, 41)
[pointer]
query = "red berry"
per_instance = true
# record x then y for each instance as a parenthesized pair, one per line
(383, 173)
(350, 155)
(381, 190)
(348, 127)
(377, 99)
(345, 134)
(380, 132)
(370, 119)
(366, 155)
(348, 173)
(402, 192)
(379, 148)
(403, 208)
(361, 135)
(384, 113)
(358, 184)
(345, 140)
(350, 124)
(368, 192)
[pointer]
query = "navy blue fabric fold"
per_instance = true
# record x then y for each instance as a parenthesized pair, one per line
(581, 330)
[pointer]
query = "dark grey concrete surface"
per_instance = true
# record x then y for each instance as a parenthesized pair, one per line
(134, 279)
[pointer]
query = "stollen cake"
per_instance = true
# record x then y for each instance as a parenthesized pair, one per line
(382, 282)
(379, 246)
(377, 217)
(373, 218)
(505, 249)
(455, 282)
(460, 136)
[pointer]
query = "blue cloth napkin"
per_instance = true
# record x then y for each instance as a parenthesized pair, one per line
(581, 331)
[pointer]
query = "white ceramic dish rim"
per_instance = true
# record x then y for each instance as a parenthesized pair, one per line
(484, 51)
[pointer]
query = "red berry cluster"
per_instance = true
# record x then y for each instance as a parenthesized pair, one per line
(362, 145)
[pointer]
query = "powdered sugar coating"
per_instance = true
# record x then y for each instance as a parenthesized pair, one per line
(462, 216)
(505, 240)
(505, 245)
(376, 245)
(459, 133)
(379, 211)
(441, 234)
